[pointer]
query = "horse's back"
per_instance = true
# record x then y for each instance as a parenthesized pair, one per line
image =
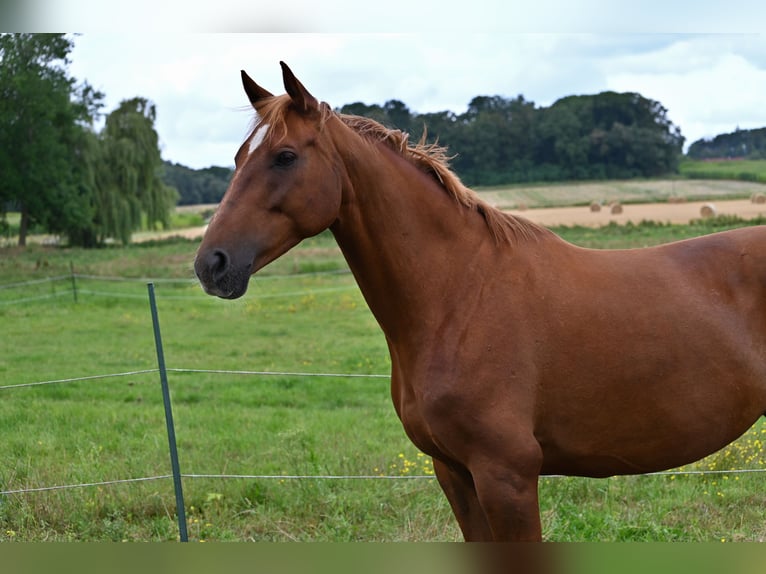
(723, 272)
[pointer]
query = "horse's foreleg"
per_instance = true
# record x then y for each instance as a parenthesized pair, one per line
(509, 499)
(460, 491)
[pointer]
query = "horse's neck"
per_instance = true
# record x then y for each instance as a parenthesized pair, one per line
(407, 241)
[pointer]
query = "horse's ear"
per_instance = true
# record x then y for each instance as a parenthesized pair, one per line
(254, 92)
(301, 97)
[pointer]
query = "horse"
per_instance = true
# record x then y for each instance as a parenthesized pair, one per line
(514, 354)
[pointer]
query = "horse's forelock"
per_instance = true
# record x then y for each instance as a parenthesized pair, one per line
(273, 111)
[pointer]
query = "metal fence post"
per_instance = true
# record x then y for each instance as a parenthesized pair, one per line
(74, 281)
(168, 419)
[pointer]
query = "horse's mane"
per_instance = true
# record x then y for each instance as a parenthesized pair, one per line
(431, 158)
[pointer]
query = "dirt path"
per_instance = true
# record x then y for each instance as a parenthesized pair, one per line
(188, 233)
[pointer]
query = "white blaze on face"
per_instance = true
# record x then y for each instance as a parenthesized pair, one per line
(258, 137)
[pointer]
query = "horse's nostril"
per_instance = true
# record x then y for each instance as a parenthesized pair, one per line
(218, 263)
(212, 266)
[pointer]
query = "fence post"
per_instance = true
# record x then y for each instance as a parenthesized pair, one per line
(168, 418)
(74, 281)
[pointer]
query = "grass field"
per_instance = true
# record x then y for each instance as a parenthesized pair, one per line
(743, 169)
(304, 314)
(624, 191)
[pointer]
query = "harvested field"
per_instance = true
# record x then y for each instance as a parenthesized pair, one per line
(660, 212)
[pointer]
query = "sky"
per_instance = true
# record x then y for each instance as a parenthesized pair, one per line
(706, 66)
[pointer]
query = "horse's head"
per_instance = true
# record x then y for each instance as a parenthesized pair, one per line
(285, 188)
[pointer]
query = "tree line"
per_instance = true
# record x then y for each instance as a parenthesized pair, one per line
(58, 171)
(197, 186)
(739, 144)
(499, 140)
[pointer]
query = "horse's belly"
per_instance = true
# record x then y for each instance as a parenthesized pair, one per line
(663, 384)
(674, 452)
(650, 429)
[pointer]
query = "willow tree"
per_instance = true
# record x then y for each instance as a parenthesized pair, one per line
(45, 122)
(128, 184)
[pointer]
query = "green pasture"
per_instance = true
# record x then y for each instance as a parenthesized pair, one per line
(731, 169)
(304, 314)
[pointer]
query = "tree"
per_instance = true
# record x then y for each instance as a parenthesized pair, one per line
(197, 186)
(749, 144)
(494, 137)
(607, 135)
(56, 171)
(128, 180)
(45, 117)
(398, 115)
(500, 140)
(374, 111)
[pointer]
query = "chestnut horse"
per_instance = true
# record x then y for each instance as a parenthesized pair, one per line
(514, 353)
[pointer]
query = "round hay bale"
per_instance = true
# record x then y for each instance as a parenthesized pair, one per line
(595, 206)
(522, 207)
(616, 208)
(758, 198)
(708, 210)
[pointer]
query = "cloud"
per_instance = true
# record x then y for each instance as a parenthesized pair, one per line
(708, 84)
(334, 16)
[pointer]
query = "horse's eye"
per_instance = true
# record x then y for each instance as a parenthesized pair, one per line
(285, 159)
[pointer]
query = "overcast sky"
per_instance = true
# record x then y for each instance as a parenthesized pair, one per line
(705, 64)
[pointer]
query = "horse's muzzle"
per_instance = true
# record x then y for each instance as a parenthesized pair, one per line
(220, 275)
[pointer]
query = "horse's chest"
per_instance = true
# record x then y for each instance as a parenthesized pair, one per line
(412, 410)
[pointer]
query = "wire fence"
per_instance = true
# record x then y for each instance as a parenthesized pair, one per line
(226, 372)
(318, 375)
(73, 287)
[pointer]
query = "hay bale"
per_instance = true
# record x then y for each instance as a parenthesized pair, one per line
(616, 208)
(758, 197)
(708, 210)
(522, 207)
(595, 206)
